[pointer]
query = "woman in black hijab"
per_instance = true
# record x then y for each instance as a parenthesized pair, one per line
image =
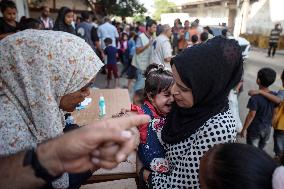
(64, 21)
(204, 75)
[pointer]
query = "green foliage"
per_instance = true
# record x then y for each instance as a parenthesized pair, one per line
(122, 7)
(139, 18)
(163, 6)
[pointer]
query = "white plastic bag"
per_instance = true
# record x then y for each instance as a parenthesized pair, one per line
(234, 106)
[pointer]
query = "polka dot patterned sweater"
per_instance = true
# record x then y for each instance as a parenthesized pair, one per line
(184, 157)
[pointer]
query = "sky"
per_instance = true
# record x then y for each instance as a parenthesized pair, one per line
(149, 5)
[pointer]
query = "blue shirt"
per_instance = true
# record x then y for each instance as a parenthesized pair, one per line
(111, 52)
(264, 111)
(131, 46)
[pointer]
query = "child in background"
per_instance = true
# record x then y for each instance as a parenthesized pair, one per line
(194, 41)
(259, 119)
(124, 53)
(278, 119)
(111, 53)
(138, 97)
(8, 24)
(239, 166)
(203, 37)
(157, 104)
(132, 69)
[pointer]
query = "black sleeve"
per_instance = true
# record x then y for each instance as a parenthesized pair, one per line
(1, 26)
(94, 34)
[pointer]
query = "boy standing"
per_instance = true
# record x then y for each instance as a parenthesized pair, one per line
(111, 53)
(278, 119)
(259, 119)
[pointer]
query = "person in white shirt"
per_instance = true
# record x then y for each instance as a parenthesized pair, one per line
(142, 56)
(161, 48)
(46, 21)
(107, 30)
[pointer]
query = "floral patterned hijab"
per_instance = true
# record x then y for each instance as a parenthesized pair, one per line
(37, 69)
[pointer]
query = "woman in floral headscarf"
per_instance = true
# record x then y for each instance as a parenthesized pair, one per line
(42, 73)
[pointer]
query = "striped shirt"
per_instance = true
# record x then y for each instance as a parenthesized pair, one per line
(274, 36)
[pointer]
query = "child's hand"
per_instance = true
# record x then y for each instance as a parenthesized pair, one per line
(243, 133)
(253, 92)
(124, 112)
(146, 175)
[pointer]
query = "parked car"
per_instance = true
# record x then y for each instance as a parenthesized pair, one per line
(245, 44)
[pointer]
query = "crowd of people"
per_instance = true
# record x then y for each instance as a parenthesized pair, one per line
(181, 122)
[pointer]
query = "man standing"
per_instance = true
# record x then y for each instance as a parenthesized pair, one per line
(198, 27)
(88, 32)
(46, 21)
(186, 33)
(142, 56)
(161, 50)
(107, 30)
(274, 38)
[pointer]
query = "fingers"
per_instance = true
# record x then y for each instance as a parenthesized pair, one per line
(79, 165)
(125, 123)
(107, 152)
(103, 163)
(96, 136)
(126, 149)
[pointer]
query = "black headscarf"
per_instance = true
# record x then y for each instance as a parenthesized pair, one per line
(211, 70)
(60, 24)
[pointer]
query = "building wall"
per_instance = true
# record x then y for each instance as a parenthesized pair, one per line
(210, 15)
(259, 19)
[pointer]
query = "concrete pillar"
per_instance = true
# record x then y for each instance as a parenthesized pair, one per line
(244, 15)
(231, 19)
(241, 18)
(200, 10)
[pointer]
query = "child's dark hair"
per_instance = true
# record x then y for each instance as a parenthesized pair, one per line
(124, 34)
(235, 166)
(108, 41)
(204, 36)
(194, 38)
(4, 4)
(85, 15)
(140, 93)
(158, 79)
(224, 32)
(132, 34)
(266, 76)
(29, 23)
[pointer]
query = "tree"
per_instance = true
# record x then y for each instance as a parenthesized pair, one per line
(163, 6)
(122, 8)
(139, 18)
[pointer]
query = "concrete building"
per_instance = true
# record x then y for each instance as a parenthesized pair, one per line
(256, 18)
(212, 12)
(262, 15)
(252, 19)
